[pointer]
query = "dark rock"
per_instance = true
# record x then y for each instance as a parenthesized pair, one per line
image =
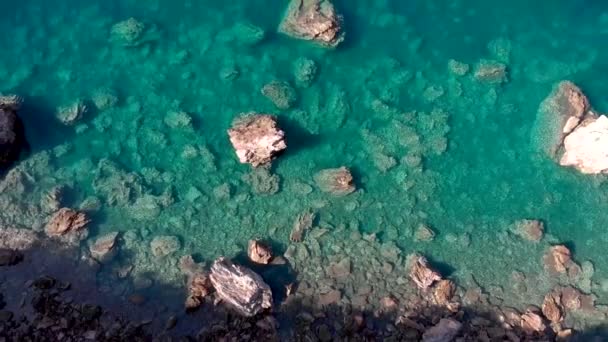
(44, 283)
(90, 312)
(9, 257)
(12, 136)
(242, 288)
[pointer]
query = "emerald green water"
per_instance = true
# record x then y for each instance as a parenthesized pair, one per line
(382, 98)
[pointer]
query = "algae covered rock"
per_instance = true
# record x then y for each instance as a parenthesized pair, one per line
(133, 33)
(161, 246)
(338, 182)
(240, 287)
(72, 113)
(305, 71)
(313, 20)
(12, 136)
(282, 95)
(256, 138)
(531, 230)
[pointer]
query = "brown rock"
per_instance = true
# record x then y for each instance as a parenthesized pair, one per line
(552, 307)
(199, 287)
(66, 220)
(240, 287)
(338, 182)
(444, 291)
(421, 273)
(531, 230)
(259, 252)
(557, 259)
(256, 138)
(570, 298)
(313, 20)
(532, 322)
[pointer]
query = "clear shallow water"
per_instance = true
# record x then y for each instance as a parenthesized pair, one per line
(384, 95)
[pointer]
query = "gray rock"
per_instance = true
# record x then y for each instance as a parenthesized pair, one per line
(240, 287)
(444, 331)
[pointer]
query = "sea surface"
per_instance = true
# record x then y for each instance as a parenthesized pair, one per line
(151, 157)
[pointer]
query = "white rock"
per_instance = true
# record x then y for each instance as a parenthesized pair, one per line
(586, 148)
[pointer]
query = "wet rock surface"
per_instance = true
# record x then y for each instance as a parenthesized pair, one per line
(104, 247)
(240, 287)
(421, 272)
(12, 136)
(256, 138)
(65, 221)
(313, 20)
(338, 181)
(259, 252)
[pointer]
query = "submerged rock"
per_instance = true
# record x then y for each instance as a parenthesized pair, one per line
(12, 136)
(338, 182)
(558, 259)
(242, 288)
(531, 230)
(444, 331)
(532, 322)
(104, 248)
(65, 221)
(444, 292)
(259, 252)
(491, 72)
(305, 71)
(421, 273)
(199, 287)
(424, 233)
(71, 114)
(132, 33)
(303, 222)
(161, 246)
(282, 95)
(256, 138)
(313, 20)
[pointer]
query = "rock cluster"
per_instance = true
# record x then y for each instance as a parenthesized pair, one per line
(568, 131)
(240, 287)
(12, 137)
(65, 221)
(256, 138)
(313, 20)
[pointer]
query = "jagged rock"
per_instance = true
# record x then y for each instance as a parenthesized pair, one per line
(338, 182)
(552, 308)
(444, 331)
(303, 222)
(444, 291)
(189, 267)
(256, 138)
(313, 20)
(532, 322)
(421, 273)
(10, 257)
(12, 136)
(259, 252)
(558, 259)
(531, 230)
(558, 115)
(199, 287)
(282, 95)
(65, 221)
(104, 248)
(242, 288)
(162, 246)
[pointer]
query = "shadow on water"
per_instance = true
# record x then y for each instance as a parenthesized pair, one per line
(296, 137)
(29, 295)
(43, 131)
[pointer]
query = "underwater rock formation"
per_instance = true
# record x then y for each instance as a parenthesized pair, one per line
(104, 247)
(303, 222)
(12, 137)
(421, 273)
(568, 130)
(313, 20)
(282, 95)
(65, 221)
(71, 114)
(9, 257)
(531, 230)
(256, 138)
(444, 331)
(242, 288)
(133, 33)
(162, 246)
(338, 182)
(259, 252)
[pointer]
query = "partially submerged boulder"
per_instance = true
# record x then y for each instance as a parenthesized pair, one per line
(66, 221)
(421, 272)
(567, 130)
(256, 138)
(239, 286)
(259, 252)
(12, 137)
(313, 20)
(104, 247)
(338, 182)
(558, 260)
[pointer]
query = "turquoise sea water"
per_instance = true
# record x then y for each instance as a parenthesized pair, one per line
(426, 146)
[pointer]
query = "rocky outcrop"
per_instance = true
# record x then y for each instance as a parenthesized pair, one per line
(12, 137)
(256, 138)
(240, 287)
(338, 182)
(66, 221)
(558, 260)
(104, 248)
(421, 273)
(259, 252)
(567, 130)
(313, 20)
(444, 331)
